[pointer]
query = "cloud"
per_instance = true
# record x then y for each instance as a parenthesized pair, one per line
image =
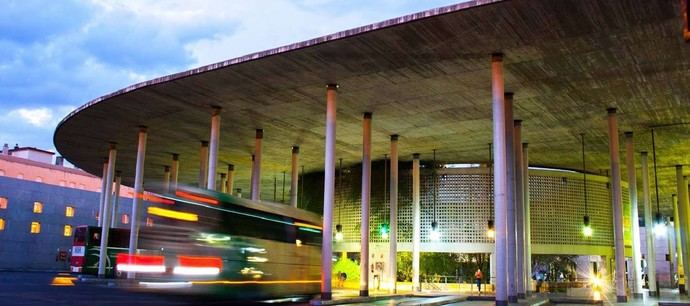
(38, 117)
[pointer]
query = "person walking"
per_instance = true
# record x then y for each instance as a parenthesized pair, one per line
(478, 279)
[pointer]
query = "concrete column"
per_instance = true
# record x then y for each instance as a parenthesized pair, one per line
(294, 176)
(223, 183)
(214, 142)
(528, 229)
(166, 178)
(174, 170)
(256, 169)
(203, 164)
(416, 224)
(519, 210)
(231, 178)
(138, 195)
(103, 192)
(510, 196)
(679, 252)
(649, 226)
(105, 229)
(632, 189)
(500, 179)
(683, 220)
(393, 238)
(366, 193)
(328, 193)
(115, 199)
(621, 295)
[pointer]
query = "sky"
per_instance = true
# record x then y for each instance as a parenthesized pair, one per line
(57, 55)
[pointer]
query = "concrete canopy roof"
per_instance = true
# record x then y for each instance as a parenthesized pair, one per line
(425, 77)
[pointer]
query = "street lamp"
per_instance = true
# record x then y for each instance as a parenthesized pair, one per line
(435, 234)
(490, 231)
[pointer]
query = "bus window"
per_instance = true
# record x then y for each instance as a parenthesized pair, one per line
(80, 235)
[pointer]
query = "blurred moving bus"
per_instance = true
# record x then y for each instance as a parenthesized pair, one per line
(86, 248)
(203, 241)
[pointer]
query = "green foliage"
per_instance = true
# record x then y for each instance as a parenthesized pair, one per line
(348, 266)
(404, 260)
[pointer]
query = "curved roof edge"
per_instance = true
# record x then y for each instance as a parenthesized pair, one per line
(287, 48)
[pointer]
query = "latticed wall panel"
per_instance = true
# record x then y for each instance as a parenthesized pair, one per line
(464, 204)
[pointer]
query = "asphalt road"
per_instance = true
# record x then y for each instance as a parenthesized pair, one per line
(40, 288)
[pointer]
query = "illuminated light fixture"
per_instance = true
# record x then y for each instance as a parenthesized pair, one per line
(195, 265)
(339, 227)
(338, 232)
(140, 263)
(435, 234)
(587, 230)
(298, 242)
(156, 199)
(254, 250)
(384, 230)
(490, 230)
(195, 197)
(62, 281)
(659, 227)
(195, 270)
(172, 214)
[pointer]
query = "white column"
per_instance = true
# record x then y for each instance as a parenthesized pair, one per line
(393, 238)
(492, 268)
(203, 164)
(528, 229)
(416, 224)
(231, 179)
(103, 192)
(621, 295)
(683, 210)
(115, 199)
(519, 210)
(174, 170)
(294, 176)
(328, 193)
(680, 260)
(256, 169)
(500, 179)
(105, 229)
(138, 195)
(632, 189)
(649, 226)
(166, 178)
(214, 142)
(511, 261)
(366, 193)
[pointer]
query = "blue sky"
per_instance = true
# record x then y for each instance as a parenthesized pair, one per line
(58, 55)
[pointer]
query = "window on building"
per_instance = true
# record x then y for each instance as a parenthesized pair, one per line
(2, 224)
(149, 221)
(38, 207)
(124, 219)
(69, 211)
(3, 203)
(35, 227)
(67, 231)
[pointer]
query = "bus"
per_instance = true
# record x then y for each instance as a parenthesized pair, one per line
(203, 241)
(86, 248)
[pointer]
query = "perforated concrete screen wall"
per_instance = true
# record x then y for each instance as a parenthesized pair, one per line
(464, 204)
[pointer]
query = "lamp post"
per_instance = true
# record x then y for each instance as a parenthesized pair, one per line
(490, 231)
(659, 226)
(586, 226)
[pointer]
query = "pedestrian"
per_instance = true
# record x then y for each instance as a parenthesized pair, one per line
(343, 277)
(478, 278)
